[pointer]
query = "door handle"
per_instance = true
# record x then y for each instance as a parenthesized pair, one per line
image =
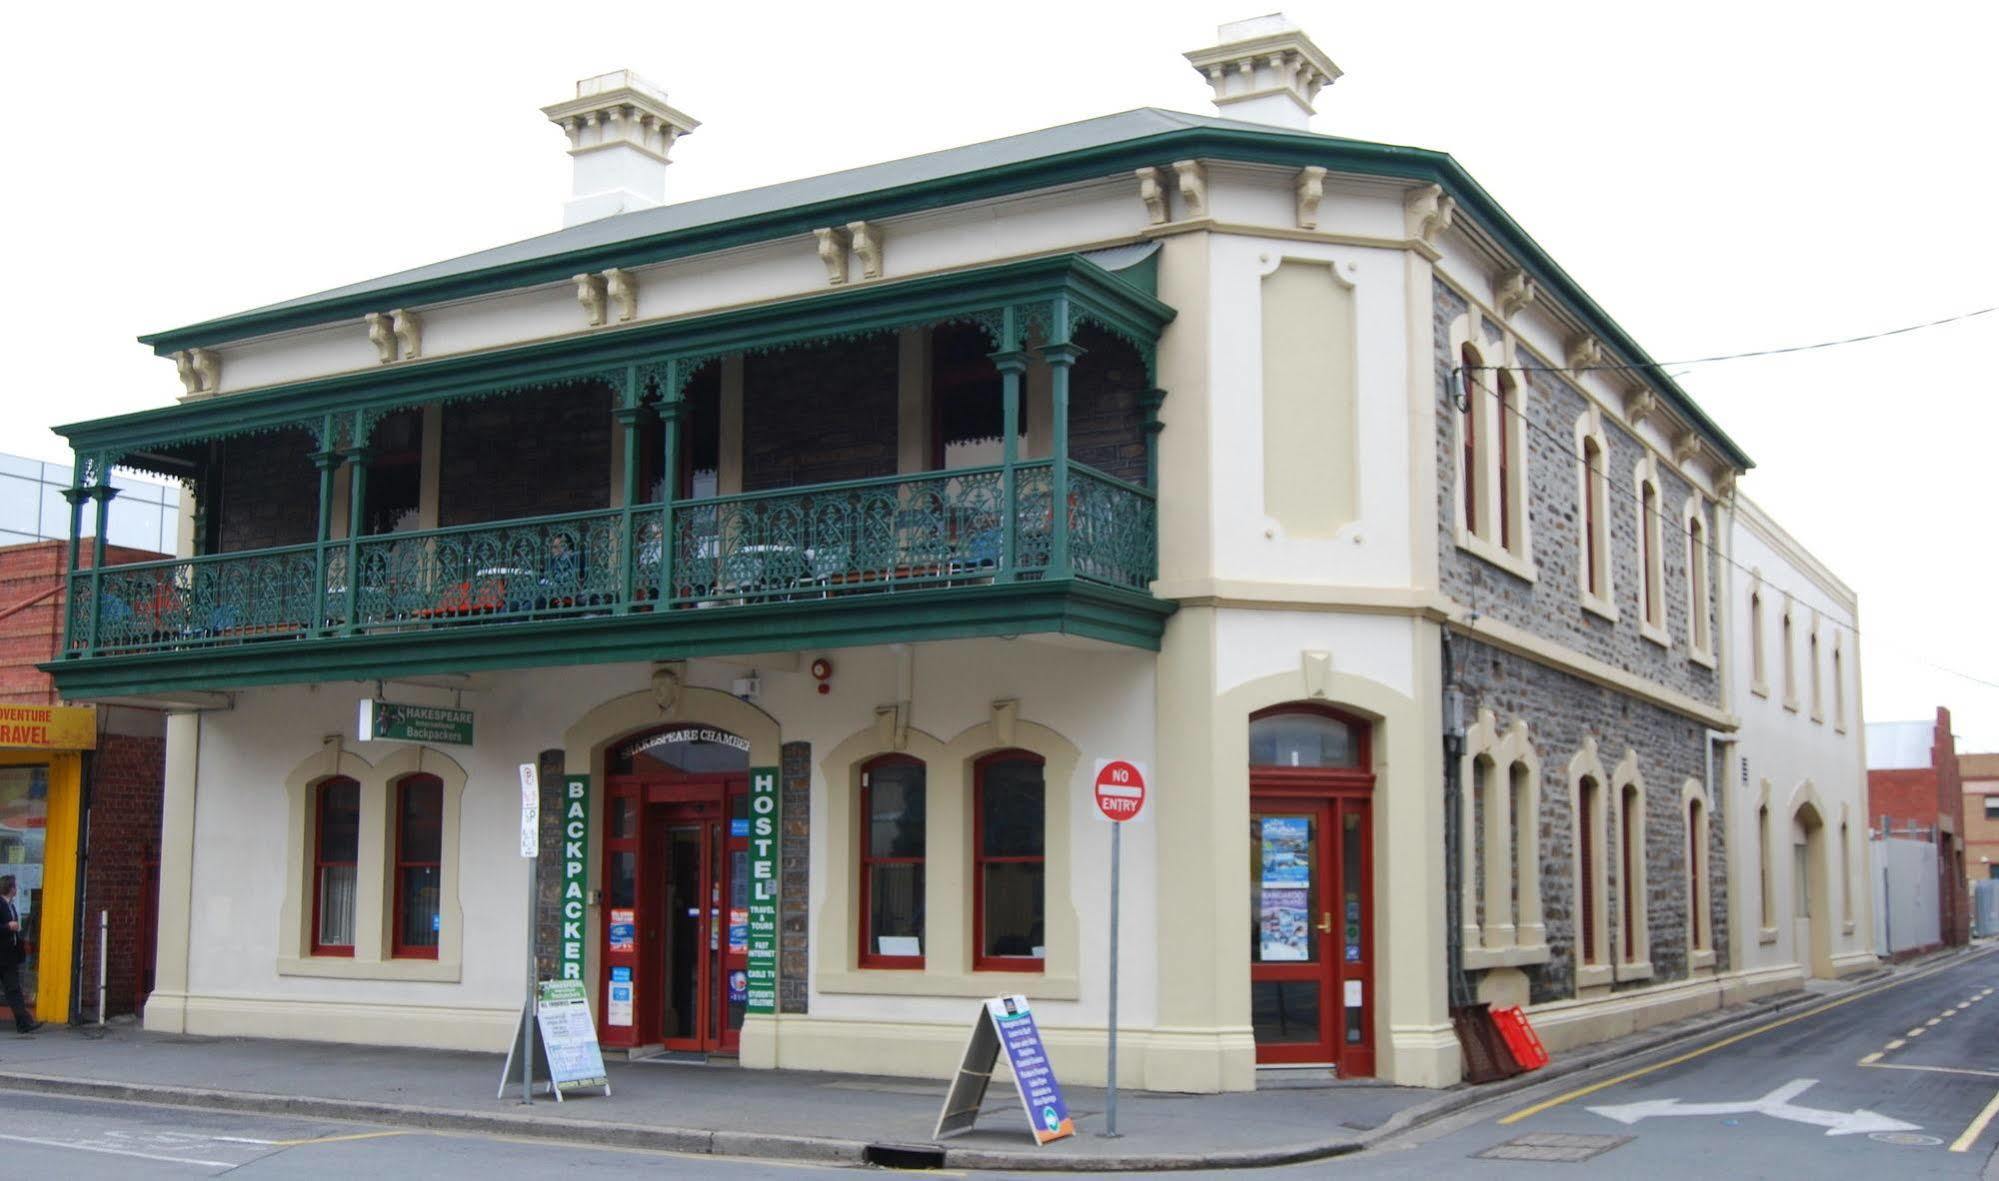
(1326, 922)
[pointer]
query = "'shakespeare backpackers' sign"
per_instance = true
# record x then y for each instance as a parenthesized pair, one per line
(765, 832)
(575, 834)
(391, 721)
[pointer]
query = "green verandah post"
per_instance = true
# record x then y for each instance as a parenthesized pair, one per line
(627, 413)
(1011, 362)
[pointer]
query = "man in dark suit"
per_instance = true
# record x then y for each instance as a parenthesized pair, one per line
(11, 955)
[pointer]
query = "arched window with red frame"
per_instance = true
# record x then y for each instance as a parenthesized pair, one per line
(1009, 855)
(1502, 430)
(336, 839)
(419, 847)
(893, 839)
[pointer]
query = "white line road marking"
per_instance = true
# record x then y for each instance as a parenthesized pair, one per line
(1971, 1134)
(1897, 1044)
(1777, 1104)
(80, 1147)
(1933, 1021)
(244, 1140)
(1931, 1069)
(1871, 1059)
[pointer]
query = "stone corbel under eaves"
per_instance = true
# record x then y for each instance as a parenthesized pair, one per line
(200, 371)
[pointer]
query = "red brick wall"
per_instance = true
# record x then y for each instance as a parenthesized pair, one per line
(1931, 796)
(31, 613)
(125, 784)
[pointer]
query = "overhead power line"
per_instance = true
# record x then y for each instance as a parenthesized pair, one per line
(1777, 352)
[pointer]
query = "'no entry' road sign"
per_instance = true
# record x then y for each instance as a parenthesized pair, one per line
(1120, 789)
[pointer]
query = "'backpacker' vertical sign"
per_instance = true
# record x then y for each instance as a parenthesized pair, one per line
(575, 875)
(764, 842)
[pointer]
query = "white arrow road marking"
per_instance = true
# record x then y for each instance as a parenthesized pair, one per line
(1776, 1104)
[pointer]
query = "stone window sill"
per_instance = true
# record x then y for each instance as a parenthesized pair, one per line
(1766, 935)
(1515, 564)
(1846, 928)
(1592, 976)
(1702, 657)
(1597, 605)
(1759, 688)
(1641, 970)
(343, 968)
(1655, 633)
(968, 984)
(1506, 957)
(1701, 959)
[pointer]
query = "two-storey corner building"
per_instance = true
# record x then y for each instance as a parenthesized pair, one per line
(1795, 774)
(906, 494)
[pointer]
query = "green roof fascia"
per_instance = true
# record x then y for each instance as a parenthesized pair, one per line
(1093, 292)
(1069, 607)
(1259, 146)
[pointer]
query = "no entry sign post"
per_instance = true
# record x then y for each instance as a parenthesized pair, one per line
(1119, 791)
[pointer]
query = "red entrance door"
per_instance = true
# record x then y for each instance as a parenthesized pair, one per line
(676, 952)
(1311, 892)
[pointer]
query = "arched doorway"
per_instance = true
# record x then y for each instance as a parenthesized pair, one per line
(1311, 951)
(676, 890)
(1811, 902)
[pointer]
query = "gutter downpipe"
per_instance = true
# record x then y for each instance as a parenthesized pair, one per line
(1454, 739)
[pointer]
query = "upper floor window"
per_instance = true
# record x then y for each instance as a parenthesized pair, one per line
(1593, 498)
(1491, 467)
(1838, 685)
(1700, 626)
(1812, 654)
(1009, 862)
(892, 854)
(336, 846)
(419, 862)
(1651, 559)
(1758, 680)
(1788, 649)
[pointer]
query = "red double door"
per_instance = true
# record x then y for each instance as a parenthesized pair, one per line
(1312, 923)
(676, 928)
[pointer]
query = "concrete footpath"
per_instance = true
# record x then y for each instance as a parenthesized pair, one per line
(788, 1115)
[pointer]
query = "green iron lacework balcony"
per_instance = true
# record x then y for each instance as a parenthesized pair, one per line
(799, 551)
(988, 542)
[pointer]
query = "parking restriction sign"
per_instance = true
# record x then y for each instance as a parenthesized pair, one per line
(1120, 789)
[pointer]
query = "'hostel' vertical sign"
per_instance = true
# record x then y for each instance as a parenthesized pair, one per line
(575, 875)
(764, 833)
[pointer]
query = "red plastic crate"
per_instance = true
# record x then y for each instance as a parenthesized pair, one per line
(1520, 1039)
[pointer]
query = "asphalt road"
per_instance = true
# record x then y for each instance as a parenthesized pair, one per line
(1902, 1081)
(1897, 1081)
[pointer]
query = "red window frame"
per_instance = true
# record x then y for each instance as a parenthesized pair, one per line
(1648, 516)
(319, 862)
(1694, 876)
(1592, 508)
(1469, 360)
(869, 958)
(981, 962)
(1506, 398)
(399, 949)
(1627, 804)
(1587, 808)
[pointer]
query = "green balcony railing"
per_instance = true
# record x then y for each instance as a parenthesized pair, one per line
(863, 537)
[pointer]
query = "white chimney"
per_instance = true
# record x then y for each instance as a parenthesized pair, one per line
(620, 132)
(1265, 70)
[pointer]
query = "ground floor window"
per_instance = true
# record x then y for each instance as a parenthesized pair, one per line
(892, 855)
(419, 860)
(336, 846)
(1009, 856)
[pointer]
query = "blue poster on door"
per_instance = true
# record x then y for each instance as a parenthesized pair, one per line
(1287, 852)
(1047, 1113)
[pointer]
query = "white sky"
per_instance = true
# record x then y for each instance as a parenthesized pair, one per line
(1721, 177)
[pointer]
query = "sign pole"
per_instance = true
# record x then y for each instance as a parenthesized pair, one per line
(1110, 1103)
(531, 851)
(1119, 792)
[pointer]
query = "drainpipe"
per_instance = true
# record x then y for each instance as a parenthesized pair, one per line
(1454, 743)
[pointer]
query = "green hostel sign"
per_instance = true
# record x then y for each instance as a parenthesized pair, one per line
(390, 721)
(764, 834)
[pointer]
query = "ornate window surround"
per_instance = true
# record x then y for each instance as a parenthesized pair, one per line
(1482, 536)
(1586, 766)
(1700, 919)
(374, 955)
(1759, 682)
(1651, 552)
(1626, 785)
(1594, 481)
(1512, 788)
(1700, 582)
